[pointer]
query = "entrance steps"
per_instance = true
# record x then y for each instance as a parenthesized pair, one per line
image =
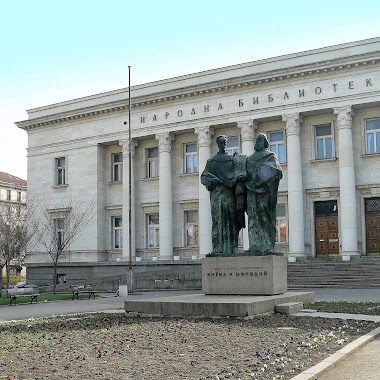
(363, 272)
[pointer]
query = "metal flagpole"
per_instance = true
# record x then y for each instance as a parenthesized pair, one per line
(130, 277)
(130, 268)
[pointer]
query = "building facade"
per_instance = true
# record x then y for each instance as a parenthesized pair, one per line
(320, 110)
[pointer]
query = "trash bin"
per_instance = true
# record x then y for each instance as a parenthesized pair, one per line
(123, 290)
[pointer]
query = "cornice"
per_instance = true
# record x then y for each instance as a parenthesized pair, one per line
(206, 89)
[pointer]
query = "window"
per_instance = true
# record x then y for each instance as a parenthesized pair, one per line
(232, 145)
(60, 231)
(117, 167)
(153, 231)
(191, 225)
(8, 195)
(281, 224)
(276, 145)
(323, 142)
(372, 136)
(61, 171)
(19, 196)
(191, 158)
(152, 162)
(117, 230)
(61, 279)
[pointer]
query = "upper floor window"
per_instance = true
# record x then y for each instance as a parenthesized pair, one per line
(153, 230)
(117, 229)
(152, 162)
(60, 164)
(117, 167)
(60, 233)
(276, 145)
(232, 145)
(372, 136)
(281, 225)
(191, 158)
(8, 195)
(19, 196)
(323, 142)
(191, 225)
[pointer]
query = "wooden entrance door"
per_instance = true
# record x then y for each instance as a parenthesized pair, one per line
(326, 229)
(372, 226)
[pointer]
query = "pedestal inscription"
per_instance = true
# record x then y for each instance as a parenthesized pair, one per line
(244, 275)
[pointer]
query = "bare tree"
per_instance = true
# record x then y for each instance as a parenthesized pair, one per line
(17, 229)
(60, 226)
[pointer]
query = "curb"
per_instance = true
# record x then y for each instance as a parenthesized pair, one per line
(332, 360)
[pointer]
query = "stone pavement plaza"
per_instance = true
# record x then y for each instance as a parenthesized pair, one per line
(360, 360)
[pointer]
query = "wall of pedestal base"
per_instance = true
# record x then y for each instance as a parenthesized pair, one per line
(244, 275)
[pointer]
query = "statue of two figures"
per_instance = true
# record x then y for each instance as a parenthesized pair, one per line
(239, 184)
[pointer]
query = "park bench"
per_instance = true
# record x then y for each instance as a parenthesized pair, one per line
(82, 289)
(15, 293)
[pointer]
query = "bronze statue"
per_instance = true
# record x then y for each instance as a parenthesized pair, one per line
(264, 174)
(237, 183)
(223, 177)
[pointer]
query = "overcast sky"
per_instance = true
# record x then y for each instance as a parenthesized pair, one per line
(56, 50)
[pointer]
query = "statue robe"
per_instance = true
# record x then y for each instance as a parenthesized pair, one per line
(222, 178)
(264, 174)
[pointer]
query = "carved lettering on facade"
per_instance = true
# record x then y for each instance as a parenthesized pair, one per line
(245, 102)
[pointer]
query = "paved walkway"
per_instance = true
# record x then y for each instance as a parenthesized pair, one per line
(363, 364)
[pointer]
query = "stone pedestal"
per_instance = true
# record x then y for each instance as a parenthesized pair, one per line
(244, 275)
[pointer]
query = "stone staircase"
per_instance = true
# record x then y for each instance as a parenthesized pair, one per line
(363, 272)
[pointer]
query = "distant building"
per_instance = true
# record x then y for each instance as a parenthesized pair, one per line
(320, 110)
(12, 190)
(12, 193)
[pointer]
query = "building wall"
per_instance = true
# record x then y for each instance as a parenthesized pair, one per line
(316, 86)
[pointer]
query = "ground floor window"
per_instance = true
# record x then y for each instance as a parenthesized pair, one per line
(281, 224)
(191, 223)
(117, 229)
(153, 222)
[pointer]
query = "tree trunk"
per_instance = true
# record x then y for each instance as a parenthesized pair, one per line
(55, 277)
(8, 270)
(1, 279)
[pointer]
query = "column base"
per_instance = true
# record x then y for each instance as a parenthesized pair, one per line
(296, 256)
(349, 255)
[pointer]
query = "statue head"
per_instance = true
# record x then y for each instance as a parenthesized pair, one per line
(261, 142)
(221, 140)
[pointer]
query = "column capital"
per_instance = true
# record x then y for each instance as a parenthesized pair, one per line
(293, 124)
(125, 144)
(164, 141)
(344, 116)
(204, 135)
(248, 130)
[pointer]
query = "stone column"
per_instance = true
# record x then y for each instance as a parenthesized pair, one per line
(204, 212)
(296, 231)
(126, 195)
(165, 195)
(247, 136)
(347, 213)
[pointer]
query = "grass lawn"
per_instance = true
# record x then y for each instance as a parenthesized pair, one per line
(367, 308)
(43, 297)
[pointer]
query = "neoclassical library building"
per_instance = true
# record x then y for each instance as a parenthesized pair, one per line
(320, 110)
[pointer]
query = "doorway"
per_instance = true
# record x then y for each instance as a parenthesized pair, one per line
(326, 228)
(372, 226)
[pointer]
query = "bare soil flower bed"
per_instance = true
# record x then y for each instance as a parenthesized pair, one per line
(112, 346)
